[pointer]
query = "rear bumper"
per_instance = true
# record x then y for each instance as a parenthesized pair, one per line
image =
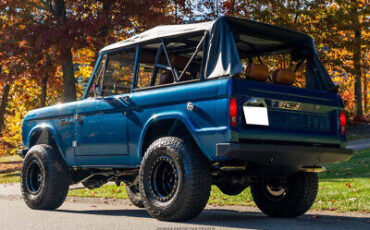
(279, 155)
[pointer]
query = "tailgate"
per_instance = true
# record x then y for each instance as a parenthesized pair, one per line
(282, 113)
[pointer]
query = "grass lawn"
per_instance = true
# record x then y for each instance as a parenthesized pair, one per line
(9, 167)
(343, 187)
(13, 158)
(13, 177)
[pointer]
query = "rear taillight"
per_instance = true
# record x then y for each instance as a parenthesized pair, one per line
(342, 122)
(233, 112)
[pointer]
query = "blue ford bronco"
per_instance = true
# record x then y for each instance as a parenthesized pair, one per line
(173, 110)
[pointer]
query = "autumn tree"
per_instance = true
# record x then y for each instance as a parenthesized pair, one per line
(343, 25)
(340, 31)
(64, 26)
(45, 45)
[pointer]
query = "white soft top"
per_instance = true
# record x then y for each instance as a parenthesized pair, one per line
(161, 32)
(222, 55)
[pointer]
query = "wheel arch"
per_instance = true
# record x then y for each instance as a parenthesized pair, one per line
(173, 124)
(45, 134)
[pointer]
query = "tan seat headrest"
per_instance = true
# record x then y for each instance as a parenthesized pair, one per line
(257, 72)
(284, 77)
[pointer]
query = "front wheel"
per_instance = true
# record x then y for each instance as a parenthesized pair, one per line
(45, 178)
(175, 180)
(291, 199)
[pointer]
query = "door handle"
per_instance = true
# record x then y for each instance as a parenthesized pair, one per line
(64, 122)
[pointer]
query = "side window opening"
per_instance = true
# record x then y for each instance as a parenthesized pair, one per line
(146, 68)
(185, 55)
(115, 73)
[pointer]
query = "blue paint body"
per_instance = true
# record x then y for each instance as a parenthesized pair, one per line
(111, 133)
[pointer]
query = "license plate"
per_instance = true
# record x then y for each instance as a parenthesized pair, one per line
(256, 115)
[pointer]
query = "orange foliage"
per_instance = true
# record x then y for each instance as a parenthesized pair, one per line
(26, 58)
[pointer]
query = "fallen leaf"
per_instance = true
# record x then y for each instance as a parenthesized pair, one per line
(348, 185)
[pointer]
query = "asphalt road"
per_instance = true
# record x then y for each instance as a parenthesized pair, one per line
(358, 144)
(89, 213)
(109, 214)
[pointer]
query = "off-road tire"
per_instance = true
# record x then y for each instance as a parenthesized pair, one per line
(135, 196)
(192, 185)
(53, 178)
(300, 194)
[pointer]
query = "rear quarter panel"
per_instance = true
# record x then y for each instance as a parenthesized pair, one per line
(207, 123)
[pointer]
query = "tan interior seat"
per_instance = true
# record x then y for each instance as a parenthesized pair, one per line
(256, 72)
(179, 63)
(165, 78)
(284, 77)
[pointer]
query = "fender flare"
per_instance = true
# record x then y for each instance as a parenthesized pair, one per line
(48, 128)
(182, 117)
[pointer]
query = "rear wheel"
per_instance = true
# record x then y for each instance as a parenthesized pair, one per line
(175, 180)
(45, 178)
(290, 199)
(134, 195)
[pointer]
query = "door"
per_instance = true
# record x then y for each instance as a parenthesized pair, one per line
(101, 127)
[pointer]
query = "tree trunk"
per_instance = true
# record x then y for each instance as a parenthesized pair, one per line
(365, 96)
(4, 103)
(44, 85)
(357, 60)
(68, 76)
(104, 30)
(69, 88)
(357, 66)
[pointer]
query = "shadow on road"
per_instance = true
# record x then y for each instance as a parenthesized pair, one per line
(254, 220)
(129, 212)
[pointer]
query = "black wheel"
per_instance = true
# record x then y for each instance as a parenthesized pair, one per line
(291, 199)
(134, 195)
(175, 180)
(44, 178)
